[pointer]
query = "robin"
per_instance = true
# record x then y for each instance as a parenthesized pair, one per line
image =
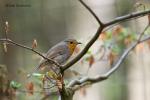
(60, 53)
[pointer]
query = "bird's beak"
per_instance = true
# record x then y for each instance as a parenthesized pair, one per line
(79, 43)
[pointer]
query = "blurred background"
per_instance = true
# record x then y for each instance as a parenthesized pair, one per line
(51, 21)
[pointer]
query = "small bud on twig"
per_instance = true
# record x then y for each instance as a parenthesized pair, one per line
(34, 44)
(5, 47)
(6, 23)
(6, 29)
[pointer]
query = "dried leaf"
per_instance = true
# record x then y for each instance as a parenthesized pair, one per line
(139, 47)
(5, 47)
(34, 44)
(127, 40)
(111, 57)
(148, 42)
(30, 87)
(83, 91)
(91, 60)
(103, 36)
(117, 30)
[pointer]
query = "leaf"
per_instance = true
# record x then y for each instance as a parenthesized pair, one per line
(38, 75)
(128, 40)
(30, 88)
(89, 52)
(91, 60)
(111, 57)
(117, 30)
(148, 42)
(34, 44)
(83, 91)
(139, 47)
(15, 85)
(103, 36)
(52, 74)
(116, 49)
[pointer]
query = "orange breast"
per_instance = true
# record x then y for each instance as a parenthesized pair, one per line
(72, 47)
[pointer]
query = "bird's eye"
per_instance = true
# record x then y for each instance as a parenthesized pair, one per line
(71, 42)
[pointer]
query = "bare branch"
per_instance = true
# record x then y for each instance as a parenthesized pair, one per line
(87, 80)
(100, 29)
(28, 48)
(127, 17)
(140, 35)
(91, 11)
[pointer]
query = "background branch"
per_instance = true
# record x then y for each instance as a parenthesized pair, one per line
(87, 80)
(91, 11)
(127, 17)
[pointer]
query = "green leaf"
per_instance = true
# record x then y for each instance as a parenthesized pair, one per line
(89, 52)
(15, 84)
(116, 49)
(52, 74)
(37, 75)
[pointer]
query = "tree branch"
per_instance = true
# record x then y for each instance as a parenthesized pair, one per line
(91, 11)
(127, 17)
(100, 29)
(86, 80)
(83, 52)
(29, 48)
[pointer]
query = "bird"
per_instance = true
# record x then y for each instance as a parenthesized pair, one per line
(60, 53)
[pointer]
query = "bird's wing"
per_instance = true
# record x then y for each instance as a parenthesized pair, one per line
(53, 53)
(56, 51)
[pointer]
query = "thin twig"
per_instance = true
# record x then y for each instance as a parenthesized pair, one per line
(140, 35)
(34, 91)
(31, 49)
(127, 17)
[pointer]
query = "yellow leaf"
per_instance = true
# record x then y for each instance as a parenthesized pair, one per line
(52, 74)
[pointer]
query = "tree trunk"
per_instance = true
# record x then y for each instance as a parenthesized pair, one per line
(67, 94)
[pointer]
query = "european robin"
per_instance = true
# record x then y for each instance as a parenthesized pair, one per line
(60, 53)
